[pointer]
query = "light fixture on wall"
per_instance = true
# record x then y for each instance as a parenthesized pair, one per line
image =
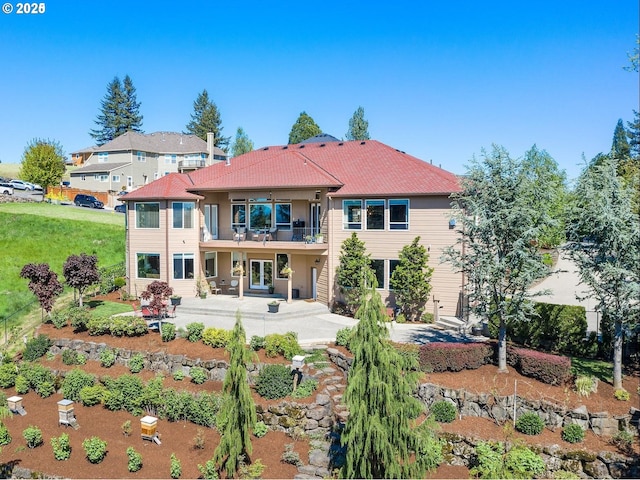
(317, 260)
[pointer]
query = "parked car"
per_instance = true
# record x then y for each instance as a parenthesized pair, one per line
(20, 185)
(6, 189)
(33, 186)
(82, 200)
(120, 208)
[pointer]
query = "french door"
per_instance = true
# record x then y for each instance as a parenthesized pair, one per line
(314, 218)
(261, 274)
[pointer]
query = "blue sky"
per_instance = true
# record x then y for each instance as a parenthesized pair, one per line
(438, 80)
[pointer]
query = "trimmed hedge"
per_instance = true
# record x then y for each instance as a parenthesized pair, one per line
(454, 357)
(548, 368)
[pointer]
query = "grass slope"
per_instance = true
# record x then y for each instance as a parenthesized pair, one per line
(43, 233)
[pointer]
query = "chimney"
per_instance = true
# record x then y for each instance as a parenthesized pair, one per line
(210, 146)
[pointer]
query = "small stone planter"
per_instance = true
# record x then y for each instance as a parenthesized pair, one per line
(175, 300)
(273, 307)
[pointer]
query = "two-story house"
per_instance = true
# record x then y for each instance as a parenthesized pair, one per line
(135, 159)
(292, 205)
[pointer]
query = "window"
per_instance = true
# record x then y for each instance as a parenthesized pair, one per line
(183, 214)
(399, 214)
(101, 178)
(156, 175)
(282, 260)
(115, 178)
(147, 215)
(169, 159)
(283, 216)
(352, 214)
(211, 264)
(238, 216)
(129, 182)
(182, 265)
(392, 266)
(103, 157)
(142, 156)
(236, 259)
(378, 269)
(148, 265)
(259, 216)
(375, 214)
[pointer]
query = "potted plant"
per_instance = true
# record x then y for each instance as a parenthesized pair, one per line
(308, 239)
(319, 238)
(202, 288)
(271, 289)
(175, 299)
(273, 306)
(286, 271)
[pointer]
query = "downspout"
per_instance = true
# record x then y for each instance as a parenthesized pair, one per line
(166, 239)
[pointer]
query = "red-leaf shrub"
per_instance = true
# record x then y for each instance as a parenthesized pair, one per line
(454, 357)
(548, 368)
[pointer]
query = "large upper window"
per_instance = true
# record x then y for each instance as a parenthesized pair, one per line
(170, 159)
(103, 157)
(182, 265)
(378, 269)
(283, 216)
(183, 214)
(148, 265)
(352, 214)
(147, 215)
(211, 264)
(399, 214)
(259, 216)
(375, 214)
(238, 215)
(142, 156)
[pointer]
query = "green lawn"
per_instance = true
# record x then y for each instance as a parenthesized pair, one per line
(9, 170)
(592, 368)
(44, 233)
(102, 308)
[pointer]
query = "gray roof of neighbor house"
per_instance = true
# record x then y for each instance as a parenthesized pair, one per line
(321, 138)
(158, 142)
(98, 167)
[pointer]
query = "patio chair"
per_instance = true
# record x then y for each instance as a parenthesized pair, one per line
(146, 311)
(214, 287)
(233, 286)
(239, 234)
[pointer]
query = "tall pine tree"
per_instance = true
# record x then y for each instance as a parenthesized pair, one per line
(353, 268)
(119, 112)
(242, 144)
(237, 415)
(620, 146)
(411, 280)
(380, 435)
(305, 127)
(358, 126)
(206, 118)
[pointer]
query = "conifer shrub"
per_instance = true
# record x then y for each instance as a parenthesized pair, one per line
(274, 381)
(530, 423)
(36, 347)
(443, 411)
(573, 433)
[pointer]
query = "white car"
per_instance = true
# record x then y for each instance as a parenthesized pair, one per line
(6, 189)
(33, 186)
(20, 185)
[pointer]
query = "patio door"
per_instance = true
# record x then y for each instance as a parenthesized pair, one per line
(314, 218)
(211, 221)
(261, 274)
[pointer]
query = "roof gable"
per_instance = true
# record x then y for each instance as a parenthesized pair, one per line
(158, 142)
(173, 186)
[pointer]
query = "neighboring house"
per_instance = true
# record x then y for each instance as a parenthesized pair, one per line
(136, 159)
(292, 205)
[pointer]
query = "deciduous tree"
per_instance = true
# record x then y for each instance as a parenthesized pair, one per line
(119, 112)
(43, 163)
(380, 437)
(498, 230)
(80, 272)
(354, 265)
(43, 282)
(305, 127)
(605, 244)
(206, 118)
(410, 280)
(242, 144)
(358, 126)
(237, 415)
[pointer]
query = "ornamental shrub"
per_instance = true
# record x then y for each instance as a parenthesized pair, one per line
(135, 460)
(175, 469)
(127, 326)
(198, 375)
(290, 455)
(256, 343)
(585, 385)
(518, 462)
(36, 347)
(59, 319)
(168, 332)
(343, 336)
(194, 331)
(454, 357)
(216, 337)
(573, 433)
(108, 357)
(5, 436)
(548, 368)
(72, 357)
(33, 436)
(202, 408)
(21, 384)
(90, 396)
(79, 317)
(209, 470)
(178, 375)
(530, 423)
(99, 325)
(61, 447)
(260, 429)
(124, 393)
(443, 411)
(38, 378)
(282, 344)
(305, 389)
(74, 381)
(8, 374)
(622, 395)
(95, 449)
(136, 363)
(274, 381)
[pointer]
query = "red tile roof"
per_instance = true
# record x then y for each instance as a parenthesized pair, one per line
(173, 186)
(352, 168)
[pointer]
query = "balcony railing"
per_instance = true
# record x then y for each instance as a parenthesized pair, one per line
(192, 164)
(307, 235)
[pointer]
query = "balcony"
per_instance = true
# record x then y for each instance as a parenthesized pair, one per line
(191, 164)
(298, 238)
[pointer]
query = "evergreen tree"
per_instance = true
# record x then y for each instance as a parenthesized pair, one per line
(498, 230)
(633, 132)
(119, 112)
(237, 415)
(43, 163)
(411, 280)
(605, 244)
(380, 437)
(206, 118)
(354, 265)
(304, 128)
(242, 144)
(620, 146)
(358, 126)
